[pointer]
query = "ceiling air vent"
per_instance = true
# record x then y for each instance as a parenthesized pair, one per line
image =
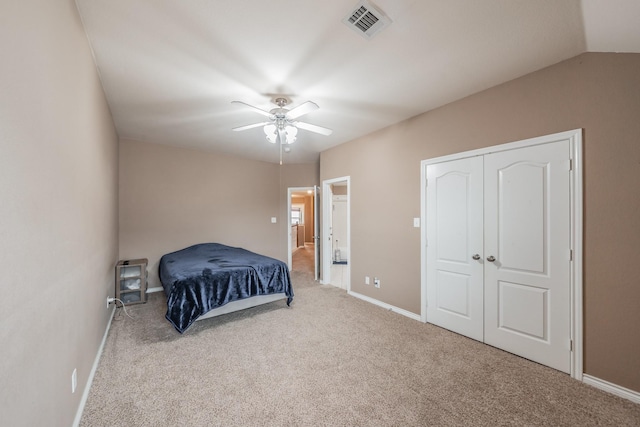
(366, 19)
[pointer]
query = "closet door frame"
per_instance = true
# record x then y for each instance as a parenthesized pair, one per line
(576, 194)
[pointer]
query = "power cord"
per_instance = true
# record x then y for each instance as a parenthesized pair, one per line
(121, 304)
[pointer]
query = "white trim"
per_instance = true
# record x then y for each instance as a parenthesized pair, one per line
(423, 242)
(575, 139)
(620, 391)
(577, 210)
(156, 289)
(385, 306)
(545, 139)
(94, 368)
(327, 196)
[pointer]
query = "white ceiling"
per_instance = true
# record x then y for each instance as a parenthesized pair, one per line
(170, 69)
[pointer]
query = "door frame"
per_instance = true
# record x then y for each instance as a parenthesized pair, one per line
(290, 192)
(327, 203)
(577, 209)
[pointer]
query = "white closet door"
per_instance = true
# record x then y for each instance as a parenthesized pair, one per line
(454, 230)
(527, 231)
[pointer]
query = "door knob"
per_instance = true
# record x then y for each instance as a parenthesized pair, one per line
(491, 258)
(476, 257)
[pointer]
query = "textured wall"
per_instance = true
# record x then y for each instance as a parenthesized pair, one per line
(58, 211)
(597, 92)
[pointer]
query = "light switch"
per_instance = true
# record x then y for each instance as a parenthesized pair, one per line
(273, 220)
(416, 222)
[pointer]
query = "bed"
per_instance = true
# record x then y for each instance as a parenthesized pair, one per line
(211, 279)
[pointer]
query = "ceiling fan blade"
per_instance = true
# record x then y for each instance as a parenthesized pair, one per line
(302, 109)
(314, 128)
(255, 125)
(256, 109)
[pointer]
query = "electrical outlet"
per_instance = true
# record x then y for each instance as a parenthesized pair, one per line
(74, 380)
(109, 301)
(376, 282)
(366, 280)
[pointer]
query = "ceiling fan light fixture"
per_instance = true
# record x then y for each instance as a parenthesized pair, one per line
(291, 131)
(282, 126)
(271, 134)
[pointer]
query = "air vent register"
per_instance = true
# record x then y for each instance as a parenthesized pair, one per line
(366, 19)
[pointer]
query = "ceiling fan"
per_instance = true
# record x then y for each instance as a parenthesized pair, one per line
(282, 124)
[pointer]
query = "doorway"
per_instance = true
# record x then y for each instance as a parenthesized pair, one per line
(302, 230)
(336, 232)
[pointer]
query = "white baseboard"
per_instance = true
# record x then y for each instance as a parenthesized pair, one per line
(156, 289)
(94, 368)
(620, 391)
(386, 306)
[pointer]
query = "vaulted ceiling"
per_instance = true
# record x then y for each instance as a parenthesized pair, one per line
(170, 69)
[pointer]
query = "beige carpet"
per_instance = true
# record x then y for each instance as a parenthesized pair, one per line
(329, 360)
(303, 258)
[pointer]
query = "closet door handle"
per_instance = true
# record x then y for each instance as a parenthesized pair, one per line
(491, 258)
(476, 257)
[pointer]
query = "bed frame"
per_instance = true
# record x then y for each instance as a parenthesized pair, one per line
(242, 304)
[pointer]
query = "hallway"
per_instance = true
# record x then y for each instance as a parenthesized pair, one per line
(302, 262)
(302, 259)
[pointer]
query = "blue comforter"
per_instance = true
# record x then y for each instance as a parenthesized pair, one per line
(209, 275)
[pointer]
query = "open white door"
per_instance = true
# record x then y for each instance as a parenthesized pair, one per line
(316, 232)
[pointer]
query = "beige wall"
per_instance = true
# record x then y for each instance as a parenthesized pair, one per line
(171, 198)
(597, 92)
(58, 211)
(339, 190)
